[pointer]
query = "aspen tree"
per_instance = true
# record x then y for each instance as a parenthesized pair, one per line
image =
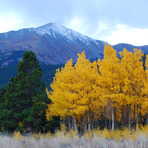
(61, 98)
(109, 79)
(145, 91)
(74, 91)
(113, 87)
(86, 74)
(132, 75)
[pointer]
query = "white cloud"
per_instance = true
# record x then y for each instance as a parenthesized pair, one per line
(9, 23)
(99, 19)
(125, 34)
(75, 24)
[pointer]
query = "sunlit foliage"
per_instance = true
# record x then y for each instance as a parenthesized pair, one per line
(113, 90)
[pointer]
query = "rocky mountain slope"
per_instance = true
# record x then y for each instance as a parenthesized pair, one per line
(53, 44)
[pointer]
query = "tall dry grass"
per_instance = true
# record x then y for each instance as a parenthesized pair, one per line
(96, 139)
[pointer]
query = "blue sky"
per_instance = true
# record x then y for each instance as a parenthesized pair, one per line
(113, 21)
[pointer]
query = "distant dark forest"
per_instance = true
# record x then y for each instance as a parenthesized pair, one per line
(48, 73)
(10, 71)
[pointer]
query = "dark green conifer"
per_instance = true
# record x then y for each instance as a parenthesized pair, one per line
(23, 101)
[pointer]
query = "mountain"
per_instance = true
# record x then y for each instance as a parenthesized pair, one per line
(129, 47)
(52, 43)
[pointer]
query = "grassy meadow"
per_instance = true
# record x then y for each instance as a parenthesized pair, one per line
(63, 139)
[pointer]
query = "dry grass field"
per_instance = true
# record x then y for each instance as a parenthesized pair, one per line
(59, 142)
(95, 139)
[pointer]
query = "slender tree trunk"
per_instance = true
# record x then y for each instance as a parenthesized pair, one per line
(71, 122)
(137, 114)
(109, 117)
(105, 117)
(96, 120)
(113, 123)
(140, 115)
(81, 126)
(123, 117)
(88, 122)
(92, 121)
(127, 115)
(75, 123)
(116, 115)
(85, 122)
(63, 121)
(129, 118)
(68, 123)
(134, 115)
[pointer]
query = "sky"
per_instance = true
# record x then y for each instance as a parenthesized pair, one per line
(112, 21)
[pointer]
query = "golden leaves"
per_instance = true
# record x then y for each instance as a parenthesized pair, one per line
(111, 81)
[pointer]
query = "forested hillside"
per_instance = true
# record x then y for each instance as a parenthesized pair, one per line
(48, 72)
(10, 71)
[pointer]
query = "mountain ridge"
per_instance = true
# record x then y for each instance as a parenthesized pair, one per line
(51, 48)
(52, 44)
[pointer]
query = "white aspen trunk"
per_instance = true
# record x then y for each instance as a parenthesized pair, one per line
(96, 120)
(129, 118)
(63, 121)
(80, 126)
(134, 114)
(113, 122)
(123, 118)
(92, 122)
(147, 119)
(115, 118)
(85, 123)
(75, 123)
(137, 115)
(72, 124)
(109, 117)
(105, 117)
(140, 118)
(137, 118)
(88, 123)
(68, 123)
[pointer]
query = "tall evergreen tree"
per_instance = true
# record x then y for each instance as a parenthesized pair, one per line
(23, 102)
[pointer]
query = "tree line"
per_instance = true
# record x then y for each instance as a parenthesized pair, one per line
(109, 93)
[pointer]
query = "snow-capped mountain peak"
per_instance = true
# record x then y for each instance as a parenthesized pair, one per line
(57, 31)
(52, 44)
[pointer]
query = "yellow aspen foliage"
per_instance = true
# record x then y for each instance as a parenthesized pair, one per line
(111, 89)
(86, 74)
(61, 96)
(132, 72)
(75, 89)
(145, 90)
(109, 79)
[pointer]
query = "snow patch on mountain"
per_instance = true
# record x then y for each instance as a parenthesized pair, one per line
(55, 30)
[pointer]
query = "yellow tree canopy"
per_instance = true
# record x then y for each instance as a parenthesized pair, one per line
(109, 79)
(132, 73)
(74, 88)
(61, 96)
